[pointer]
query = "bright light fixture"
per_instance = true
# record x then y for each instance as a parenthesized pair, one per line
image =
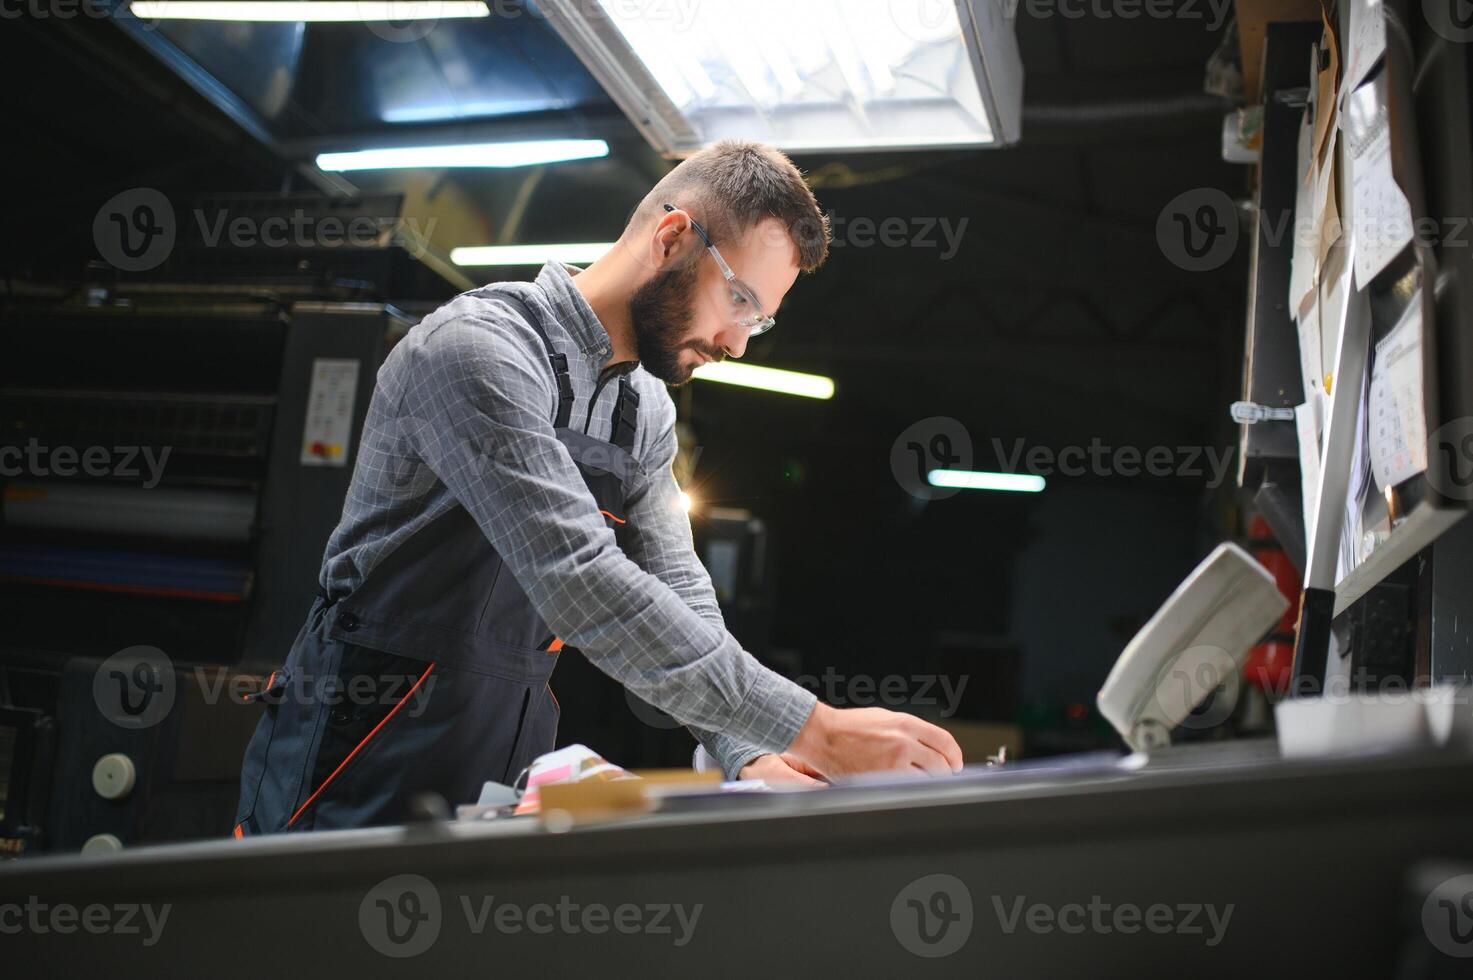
(308, 11)
(442, 111)
(687, 504)
(982, 480)
(805, 74)
(767, 379)
(522, 154)
(573, 253)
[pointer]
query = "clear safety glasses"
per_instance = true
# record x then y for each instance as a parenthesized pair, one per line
(745, 307)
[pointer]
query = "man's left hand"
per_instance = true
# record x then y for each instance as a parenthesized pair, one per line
(781, 770)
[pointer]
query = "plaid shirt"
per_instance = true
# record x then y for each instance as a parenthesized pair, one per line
(462, 415)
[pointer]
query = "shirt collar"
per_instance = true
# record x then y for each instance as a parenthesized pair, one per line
(572, 310)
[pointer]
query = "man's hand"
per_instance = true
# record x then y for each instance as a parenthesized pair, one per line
(842, 741)
(781, 770)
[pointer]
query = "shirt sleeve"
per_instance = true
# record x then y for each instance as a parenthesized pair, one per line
(477, 407)
(660, 543)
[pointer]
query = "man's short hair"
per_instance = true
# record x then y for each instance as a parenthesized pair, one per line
(731, 186)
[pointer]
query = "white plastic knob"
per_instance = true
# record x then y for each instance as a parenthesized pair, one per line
(102, 844)
(113, 776)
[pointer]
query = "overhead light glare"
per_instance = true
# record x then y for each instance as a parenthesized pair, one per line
(308, 11)
(768, 379)
(983, 480)
(573, 253)
(516, 154)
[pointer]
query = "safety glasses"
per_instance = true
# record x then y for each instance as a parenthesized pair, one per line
(745, 307)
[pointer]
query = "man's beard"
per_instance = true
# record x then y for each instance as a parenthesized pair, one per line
(660, 312)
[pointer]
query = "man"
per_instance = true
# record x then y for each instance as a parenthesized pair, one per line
(511, 498)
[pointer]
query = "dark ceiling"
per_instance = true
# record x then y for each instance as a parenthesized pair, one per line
(1058, 320)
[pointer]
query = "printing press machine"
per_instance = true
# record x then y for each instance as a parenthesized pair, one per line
(1339, 847)
(201, 564)
(1324, 867)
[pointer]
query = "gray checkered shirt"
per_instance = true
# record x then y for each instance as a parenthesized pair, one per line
(647, 618)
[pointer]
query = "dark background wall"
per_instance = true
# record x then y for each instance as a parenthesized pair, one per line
(1057, 321)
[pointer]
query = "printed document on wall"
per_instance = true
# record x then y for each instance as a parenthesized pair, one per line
(1398, 425)
(1381, 219)
(1367, 41)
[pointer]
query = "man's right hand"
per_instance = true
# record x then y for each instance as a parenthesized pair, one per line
(843, 741)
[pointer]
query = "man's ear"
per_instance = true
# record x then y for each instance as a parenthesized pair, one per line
(672, 237)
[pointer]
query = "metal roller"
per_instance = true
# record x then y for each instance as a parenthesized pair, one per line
(191, 515)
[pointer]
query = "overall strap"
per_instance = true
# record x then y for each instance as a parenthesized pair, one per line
(558, 361)
(626, 416)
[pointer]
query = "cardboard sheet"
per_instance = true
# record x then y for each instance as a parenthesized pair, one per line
(1327, 76)
(1303, 272)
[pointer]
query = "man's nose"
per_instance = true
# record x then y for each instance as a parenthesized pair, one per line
(733, 340)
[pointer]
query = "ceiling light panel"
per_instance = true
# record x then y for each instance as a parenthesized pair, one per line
(804, 74)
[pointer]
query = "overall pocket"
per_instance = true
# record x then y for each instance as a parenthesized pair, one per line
(370, 692)
(253, 766)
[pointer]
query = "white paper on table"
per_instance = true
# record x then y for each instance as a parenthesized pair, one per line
(1366, 41)
(1303, 269)
(1381, 218)
(1306, 421)
(1398, 429)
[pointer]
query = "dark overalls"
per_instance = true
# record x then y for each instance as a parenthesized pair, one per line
(432, 675)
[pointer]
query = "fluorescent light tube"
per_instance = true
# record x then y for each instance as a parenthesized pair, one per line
(308, 11)
(768, 379)
(573, 253)
(523, 154)
(981, 480)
